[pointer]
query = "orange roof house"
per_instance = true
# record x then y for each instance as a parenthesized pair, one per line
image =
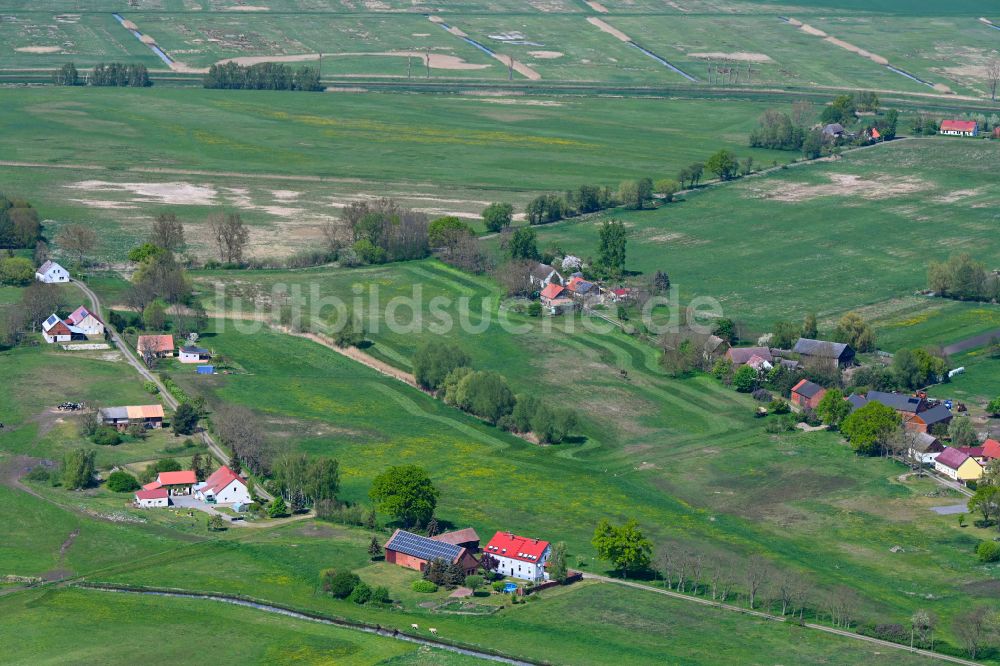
(156, 344)
(959, 127)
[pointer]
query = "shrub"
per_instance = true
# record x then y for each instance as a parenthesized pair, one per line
(779, 406)
(339, 584)
(122, 482)
(424, 586)
(988, 551)
(498, 585)
(38, 473)
(361, 594)
(380, 595)
(106, 436)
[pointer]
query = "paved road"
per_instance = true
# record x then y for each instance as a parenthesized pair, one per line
(775, 618)
(140, 367)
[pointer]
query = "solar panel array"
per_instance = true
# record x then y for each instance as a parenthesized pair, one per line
(422, 547)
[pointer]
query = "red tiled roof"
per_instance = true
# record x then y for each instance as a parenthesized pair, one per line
(152, 485)
(156, 493)
(552, 290)
(958, 125)
(952, 458)
(991, 448)
(505, 544)
(458, 536)
(155, 343)
(181, 478)
(219, 479)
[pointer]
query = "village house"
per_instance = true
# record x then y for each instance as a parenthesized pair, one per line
(550, 294)
(223, 486)
(991, 449)
(542, 275)
(833, 131)
(192, 354)
(150, 416)
(50, 272)
(958, 466)
(806, 394)
(156, 497)
(55, 329)
(714, 347)
(915, 412)
(175, 483)
(85, 323)
(753, 356)
(519, 557)
(959, 127)
(416, 552)
(582, 289)
(157, 345)
(975, 452)
(466, 538)
(839, 352)
(924, 447)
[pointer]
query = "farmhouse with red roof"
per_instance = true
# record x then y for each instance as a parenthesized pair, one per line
(519, 557)
(223, 486)
(174, 483)
(959, 127)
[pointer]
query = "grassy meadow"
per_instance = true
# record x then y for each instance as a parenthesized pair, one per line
(854, 232)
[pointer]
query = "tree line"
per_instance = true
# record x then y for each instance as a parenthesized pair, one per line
(262, 76)
(445, 369)
(963, 278)
(115, 74)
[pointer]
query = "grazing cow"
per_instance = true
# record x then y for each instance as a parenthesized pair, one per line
(433, 631)
(413, 626)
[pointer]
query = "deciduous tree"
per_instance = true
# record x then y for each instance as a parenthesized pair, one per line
(405, 492)
(624, 546)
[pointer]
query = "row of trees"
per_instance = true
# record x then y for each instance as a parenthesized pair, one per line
(303, 481)
(445, 369)
(115, 74)
(962, 277)
(262, 76)
(378, 231)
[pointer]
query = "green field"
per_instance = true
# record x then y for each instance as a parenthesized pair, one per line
(856, 232)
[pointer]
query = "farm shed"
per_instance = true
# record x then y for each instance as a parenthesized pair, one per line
(807, 394)
(191, 354)
(156, 497)
(959, 127)
(840, 352)
(416, 552)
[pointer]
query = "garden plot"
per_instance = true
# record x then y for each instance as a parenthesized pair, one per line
(756, 50)
(45, 40)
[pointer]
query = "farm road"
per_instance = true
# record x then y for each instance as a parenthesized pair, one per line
(971, 343)
(775, 618)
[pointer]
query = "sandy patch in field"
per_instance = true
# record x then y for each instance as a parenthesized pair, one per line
(518, 102)
(147, 40)
(676, 239)
(39, 49)
(105, 205)
(420, 34)
(809, 30)
(678, 7)
(841, 184)
(182, 194)
(247, 8)
(437, 60)
(740, 56)
(452, 29)
(128, 25)
(285, 195)
(877, 59)
(611, 30)
(255, 60)
(546, 55)
(597, 7)
(958, 195)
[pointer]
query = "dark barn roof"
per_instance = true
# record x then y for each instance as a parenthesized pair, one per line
(423, 547)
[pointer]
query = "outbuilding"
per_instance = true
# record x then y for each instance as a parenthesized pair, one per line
(156, 497)
(807, 394)
(192, 354)
(416, 552)
(959, 127)
(55, 329)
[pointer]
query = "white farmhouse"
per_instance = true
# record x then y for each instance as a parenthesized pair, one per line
(51, 272)
(147, 499)
(85, 322)
(519, 557)
(224, 486)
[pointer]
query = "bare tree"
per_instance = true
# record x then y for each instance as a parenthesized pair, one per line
(922, 627)
(792, 590)
(665, 563)
(756, 574)
(168, 232)
(241, 430)
(972, 629)
(841, 605)
(78, 240)
(993, 77)
(38, 301)
(337, 235)
(231, 236)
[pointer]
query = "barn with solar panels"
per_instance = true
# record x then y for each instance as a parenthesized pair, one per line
(417, 552)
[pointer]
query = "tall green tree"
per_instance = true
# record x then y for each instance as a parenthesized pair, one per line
(523, 244)
(853, 330)
(962, 432)
(833, 408)
(498, 216)
(185, 419)
(434, 359)
(624, 545)
(869, 427)
(558, 567)
(78, 469)
(406, 493)
(809, 328)
(723, 164)
(611, 250)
